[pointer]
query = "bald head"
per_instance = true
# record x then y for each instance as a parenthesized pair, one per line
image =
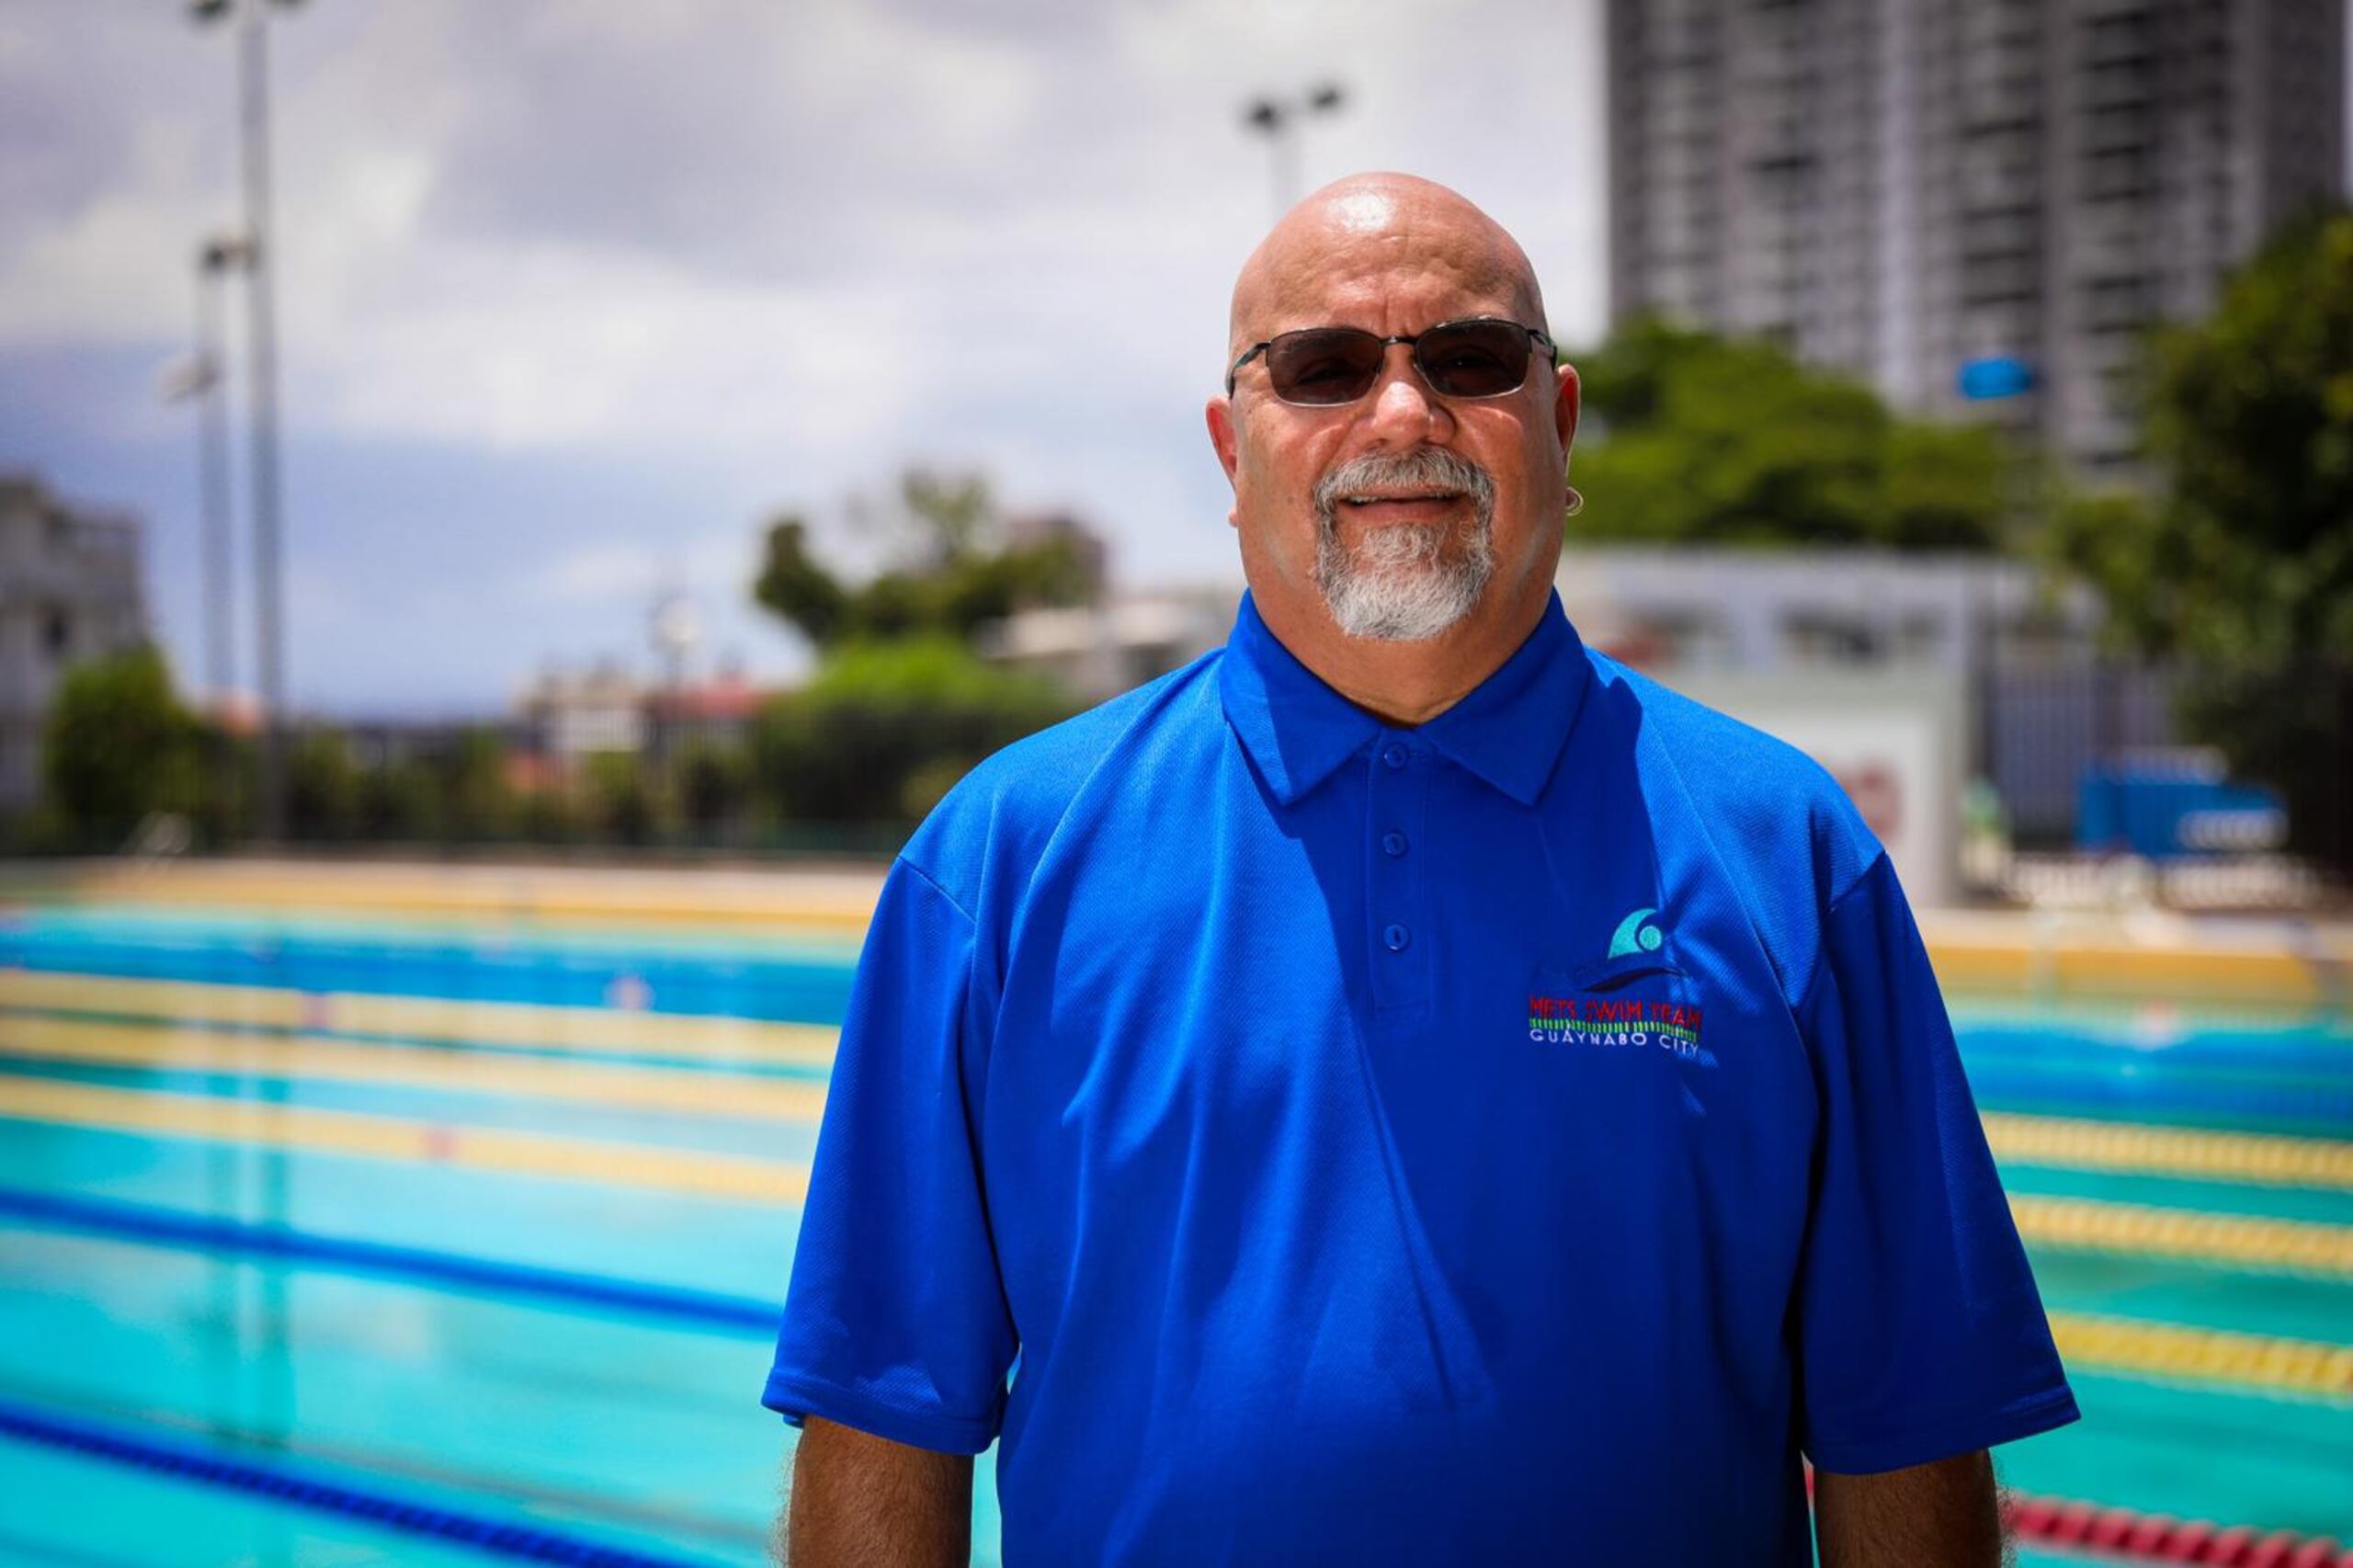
(1358, 236)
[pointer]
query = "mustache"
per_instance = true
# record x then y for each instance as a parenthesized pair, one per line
(1427, 467)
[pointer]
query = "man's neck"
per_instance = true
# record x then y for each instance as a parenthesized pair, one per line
(1407, 683)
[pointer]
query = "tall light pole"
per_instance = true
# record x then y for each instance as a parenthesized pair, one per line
(1277, 121)
(251, 19)
(202, 379)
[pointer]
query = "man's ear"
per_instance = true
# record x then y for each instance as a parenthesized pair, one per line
(1565, 404)
(1226, 437)
(1223, 435)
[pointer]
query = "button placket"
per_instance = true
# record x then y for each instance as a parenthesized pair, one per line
(1396, 904)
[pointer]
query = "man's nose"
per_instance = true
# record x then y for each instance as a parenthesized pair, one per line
(1404, 408)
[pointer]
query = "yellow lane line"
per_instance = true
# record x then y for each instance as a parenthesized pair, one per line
(2230, 1240)
(702, 1174)
(2134, 1346)
(626, 1087)
(2264, 1158)
(542, 1025)
(2236, 1241)
(2048, 1141)
(843, 911)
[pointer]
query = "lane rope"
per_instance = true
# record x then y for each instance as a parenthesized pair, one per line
(2238, 1240)
(2260, 1158)
(300, 1486)
(2204, 1355)
(696, 1172)
(119, 1221)
(2128, 1347)
(216, 1052)
(395, 1016)
(2132, 1536)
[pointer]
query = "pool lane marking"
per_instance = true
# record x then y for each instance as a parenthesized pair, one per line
(628, 1088)
(2244, 1241)
(261, 1124)
(2135, 1345)
(153, 1225)
(535, 1025)
(2126, 1346)
(2266, 1159)
(2188, 1235)
(294, 1484)
(2263, 1159)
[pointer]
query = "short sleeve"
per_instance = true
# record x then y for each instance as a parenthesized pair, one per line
(895, 1320)
(1920, 1334)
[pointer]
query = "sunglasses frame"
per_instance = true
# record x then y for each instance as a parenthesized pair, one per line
(1412, 339)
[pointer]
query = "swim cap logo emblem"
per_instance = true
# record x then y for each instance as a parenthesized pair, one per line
(1635, 934)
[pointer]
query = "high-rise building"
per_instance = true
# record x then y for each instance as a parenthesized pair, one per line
(69, 591)
(1910, 189)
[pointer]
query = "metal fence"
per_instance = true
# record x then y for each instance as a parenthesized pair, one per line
(2046, 723)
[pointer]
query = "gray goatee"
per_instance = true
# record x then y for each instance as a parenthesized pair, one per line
(1402, 583)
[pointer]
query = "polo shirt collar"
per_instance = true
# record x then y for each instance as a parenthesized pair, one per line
(1508, 730)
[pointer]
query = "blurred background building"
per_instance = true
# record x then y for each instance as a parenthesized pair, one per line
(69, 591)
(1976, 204)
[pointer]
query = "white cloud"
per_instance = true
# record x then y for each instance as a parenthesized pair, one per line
(783, 249)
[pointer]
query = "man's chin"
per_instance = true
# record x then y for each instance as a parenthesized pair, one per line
(1415, 610)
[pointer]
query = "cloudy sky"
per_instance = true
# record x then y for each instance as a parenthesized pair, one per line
(575, 293)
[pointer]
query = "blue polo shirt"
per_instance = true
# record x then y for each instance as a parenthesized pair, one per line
(1301, 1137)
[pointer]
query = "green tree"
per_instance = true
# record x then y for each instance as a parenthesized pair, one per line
(2243, 563)
(885, 727)
(478, 804)
(951, 569)
(1693, 438)
(621, 802)
(322, 787)
(2247, 555)
(119, 745)
(714, 789)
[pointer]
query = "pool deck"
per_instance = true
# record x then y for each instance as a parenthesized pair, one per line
(2275, 962)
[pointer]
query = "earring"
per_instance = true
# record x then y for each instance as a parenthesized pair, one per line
(1577, 501)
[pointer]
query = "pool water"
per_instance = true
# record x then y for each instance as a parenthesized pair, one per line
(345, 1241)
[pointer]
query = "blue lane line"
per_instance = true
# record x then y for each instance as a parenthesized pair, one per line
(296, 1486)
(2327, 1113)
(780, 990)
(145, 1223)
(236, 1027)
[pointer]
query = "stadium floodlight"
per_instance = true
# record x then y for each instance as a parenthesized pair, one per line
(1277, 120)
(249, 252)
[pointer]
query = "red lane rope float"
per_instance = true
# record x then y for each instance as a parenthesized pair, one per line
(2157, 1537)
(2135, 1536)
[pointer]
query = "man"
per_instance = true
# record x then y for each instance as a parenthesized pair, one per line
(1403, 1089)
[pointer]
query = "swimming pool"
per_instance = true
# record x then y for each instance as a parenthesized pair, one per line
(343, 1238)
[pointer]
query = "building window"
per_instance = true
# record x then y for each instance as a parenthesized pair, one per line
(56, 633)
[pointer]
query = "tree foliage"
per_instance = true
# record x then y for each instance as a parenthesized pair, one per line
(1693, 438)
(886, 727)
(2247, 554)
(118, 745)
(2242, 566)
(951, 569)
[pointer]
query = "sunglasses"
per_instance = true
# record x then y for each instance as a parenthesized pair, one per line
(1323, 365)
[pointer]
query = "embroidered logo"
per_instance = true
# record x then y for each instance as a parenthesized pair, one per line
(1617, 1021)
(1635, 934)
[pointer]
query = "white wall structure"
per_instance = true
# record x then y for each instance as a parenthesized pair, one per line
(1894, 737)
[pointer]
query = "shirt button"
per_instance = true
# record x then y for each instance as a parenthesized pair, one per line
(1392, 842)
(1397, 938)
(1394, 753)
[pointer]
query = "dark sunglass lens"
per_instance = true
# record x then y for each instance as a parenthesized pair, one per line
(1323, 365)
(1473, 359)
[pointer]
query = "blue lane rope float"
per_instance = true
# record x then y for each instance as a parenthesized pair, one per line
(445, 1045)
(144, 1222)
(296, 1488)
